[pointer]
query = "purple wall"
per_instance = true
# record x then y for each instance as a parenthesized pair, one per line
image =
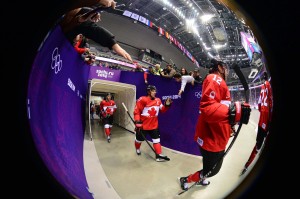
(56, 100)
(177, 125)
(56, 109)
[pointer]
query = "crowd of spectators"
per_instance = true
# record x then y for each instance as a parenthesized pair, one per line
(80, 25)
(181, 75)
(83, 48)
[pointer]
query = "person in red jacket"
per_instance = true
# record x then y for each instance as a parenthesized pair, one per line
(214, 125)
(265, 105)
(79, 44)
(145, 114)
(107, 108)
(82, 21)
(147, 72)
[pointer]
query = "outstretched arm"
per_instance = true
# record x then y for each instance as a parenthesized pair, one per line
(120, 51)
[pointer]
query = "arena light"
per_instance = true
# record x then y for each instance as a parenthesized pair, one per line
(205, 18)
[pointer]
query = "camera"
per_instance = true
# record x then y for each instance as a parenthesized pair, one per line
(164, 71)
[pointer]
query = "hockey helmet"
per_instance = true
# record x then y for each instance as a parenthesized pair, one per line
(108, 94)
(214, 63)
(150, 87)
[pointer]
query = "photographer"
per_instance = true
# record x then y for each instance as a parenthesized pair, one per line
(76, 22)
(80, 44)
(168, 72)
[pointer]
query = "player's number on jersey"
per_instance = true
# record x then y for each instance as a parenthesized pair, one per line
(217, 79)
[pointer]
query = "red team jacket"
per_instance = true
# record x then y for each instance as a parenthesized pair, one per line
(265, 104)
(108, 107)
(146, 110)
(213, 128)
(77, 48)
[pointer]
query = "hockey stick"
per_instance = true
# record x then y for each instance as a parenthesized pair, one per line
(243, 81)
(156, 155)
(249, 162)
(225, 153)
(246, 89)
(124, 128)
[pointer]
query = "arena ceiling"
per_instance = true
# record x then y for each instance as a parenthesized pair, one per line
(223, 29)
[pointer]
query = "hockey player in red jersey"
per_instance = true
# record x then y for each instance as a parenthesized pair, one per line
(107, 108)
(214, 126)
(145, 114)
(265, 104)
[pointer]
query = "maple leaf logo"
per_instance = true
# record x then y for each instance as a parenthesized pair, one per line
(152, 112)
(108, 111)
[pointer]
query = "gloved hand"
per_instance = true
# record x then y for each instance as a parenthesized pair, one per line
(239, 112)
(246, 110)
(138, 125)
(107, 115)
(168, 102)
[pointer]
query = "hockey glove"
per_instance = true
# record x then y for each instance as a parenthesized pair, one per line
(138, 125)
(239, 112)
(168, 102)
(246, 110)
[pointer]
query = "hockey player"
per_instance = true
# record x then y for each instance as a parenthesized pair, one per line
(145, 114)
(265, 104)
(107, 108)
(213, 128)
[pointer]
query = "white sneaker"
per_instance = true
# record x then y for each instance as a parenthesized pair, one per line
(183, 183)
(162, 158)
(138, 151)
(204, 182)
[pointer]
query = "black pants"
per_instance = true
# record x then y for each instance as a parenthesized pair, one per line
(261, 135)
(108, 120)
(154, 134)
(209, 160)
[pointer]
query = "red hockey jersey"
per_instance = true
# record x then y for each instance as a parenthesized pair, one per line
(215, 97)
(213, 128)
(265, 104)
(146, 110)
(108, 107)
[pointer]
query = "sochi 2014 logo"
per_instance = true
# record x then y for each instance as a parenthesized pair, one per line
(56, 63)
